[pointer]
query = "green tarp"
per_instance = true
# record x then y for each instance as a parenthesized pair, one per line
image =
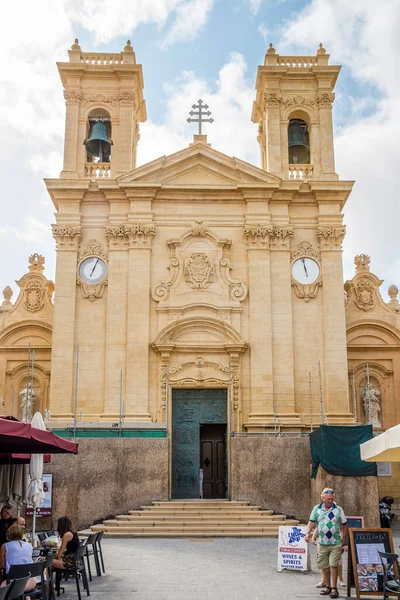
(337, 450)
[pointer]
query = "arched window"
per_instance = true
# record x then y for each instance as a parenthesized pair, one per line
(299, 142)
(98, 141)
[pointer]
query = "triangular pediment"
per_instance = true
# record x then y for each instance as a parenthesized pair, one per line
(199, 165)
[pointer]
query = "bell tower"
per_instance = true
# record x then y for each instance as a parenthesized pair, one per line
(293, 108)
(104, 106)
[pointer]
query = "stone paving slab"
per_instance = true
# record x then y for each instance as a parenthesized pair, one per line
(178, 569)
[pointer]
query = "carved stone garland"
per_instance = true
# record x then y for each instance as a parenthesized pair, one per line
(306, 291)
(130, 235)
(91, 291)
(269, 236)
(331, 238)
(67, 236)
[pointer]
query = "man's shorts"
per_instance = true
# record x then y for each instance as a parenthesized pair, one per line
(328, 555)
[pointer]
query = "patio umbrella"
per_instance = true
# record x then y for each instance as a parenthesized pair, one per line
(382, 448)
(35, 489)
(14, 483)
(17, 437)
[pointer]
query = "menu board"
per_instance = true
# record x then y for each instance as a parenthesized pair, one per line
(366, 563)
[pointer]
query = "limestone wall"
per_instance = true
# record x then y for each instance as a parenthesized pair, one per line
(275, 473)
(108, 476)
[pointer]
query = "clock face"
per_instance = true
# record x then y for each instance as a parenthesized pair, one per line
(305, 270)
(92, 270)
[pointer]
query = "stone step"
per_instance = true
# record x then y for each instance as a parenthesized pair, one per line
(186, 534)
(256, 517)
(195, 518)
(197, 509)
(198, 523)
(189, 529)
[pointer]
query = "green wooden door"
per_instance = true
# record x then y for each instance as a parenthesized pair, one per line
(190, 409)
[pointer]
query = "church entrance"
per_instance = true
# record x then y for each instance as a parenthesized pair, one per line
(199, 432)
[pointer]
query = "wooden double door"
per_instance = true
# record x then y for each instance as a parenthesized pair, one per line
(213, 460)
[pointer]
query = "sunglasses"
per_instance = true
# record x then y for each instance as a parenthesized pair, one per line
(329, 492)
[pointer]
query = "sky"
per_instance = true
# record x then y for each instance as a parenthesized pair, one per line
(207, 49)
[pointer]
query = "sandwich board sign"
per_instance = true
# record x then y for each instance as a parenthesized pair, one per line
(293, 553)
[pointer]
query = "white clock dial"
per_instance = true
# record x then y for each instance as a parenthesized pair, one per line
(92, 269)
(305, 270)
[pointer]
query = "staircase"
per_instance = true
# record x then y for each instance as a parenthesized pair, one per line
(198, 518)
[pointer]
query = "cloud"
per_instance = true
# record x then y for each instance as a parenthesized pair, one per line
(262, 29)
(254, 6)
(230, 100)
(191, 17)
(366, 41)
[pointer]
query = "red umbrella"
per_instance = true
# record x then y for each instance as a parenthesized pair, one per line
(17, 437)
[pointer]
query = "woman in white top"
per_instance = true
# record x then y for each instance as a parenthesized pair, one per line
(16, 552)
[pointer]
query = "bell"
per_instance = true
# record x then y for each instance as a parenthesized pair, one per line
(298, 142)
(297, 133)
(98, 144)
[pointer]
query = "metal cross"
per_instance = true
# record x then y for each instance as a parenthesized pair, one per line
(200, 113)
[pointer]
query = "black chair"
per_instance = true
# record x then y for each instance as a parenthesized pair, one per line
(42, 536)
(91, 541)
(18, 588)
(35, 570)
(5, 591)
(78, 571)
(98, 544)
(391, 582)
(49, 562)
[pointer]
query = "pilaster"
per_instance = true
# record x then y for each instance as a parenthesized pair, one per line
(334, 325)
(140, 237)
(63, 351)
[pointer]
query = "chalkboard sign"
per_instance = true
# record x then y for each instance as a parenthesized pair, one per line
(367, 567)
(353, 523)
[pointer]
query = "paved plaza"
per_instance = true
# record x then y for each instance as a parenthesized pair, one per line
(178, 569)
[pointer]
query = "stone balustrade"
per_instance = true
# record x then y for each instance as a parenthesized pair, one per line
(98, 170)
(297, 61)
(301, 171)
(102, 58)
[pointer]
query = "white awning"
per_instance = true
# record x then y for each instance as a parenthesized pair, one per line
(383, 448)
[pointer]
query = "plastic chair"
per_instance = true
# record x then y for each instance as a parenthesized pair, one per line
(98, 544)
(49, 562)
(18, 588)
(79, 570)
(391, 582)
(5, 591)
(91, 541)
(34, 570)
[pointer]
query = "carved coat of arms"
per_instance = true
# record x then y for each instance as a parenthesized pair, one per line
(199, 271)
(34, 293)
(365, 291)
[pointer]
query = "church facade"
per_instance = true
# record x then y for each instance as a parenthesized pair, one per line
(199, 295)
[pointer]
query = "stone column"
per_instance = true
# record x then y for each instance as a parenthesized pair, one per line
(334, 325)
(260, 326)
(116, 320)
(138, 321)
(63, 347)
(326, 135)
(72, 101)
(273, 133)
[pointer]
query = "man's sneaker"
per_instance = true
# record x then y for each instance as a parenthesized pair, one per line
(320, 585)
(342, 584)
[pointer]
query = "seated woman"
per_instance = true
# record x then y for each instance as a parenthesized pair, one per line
(16, 552)
(64, 559)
